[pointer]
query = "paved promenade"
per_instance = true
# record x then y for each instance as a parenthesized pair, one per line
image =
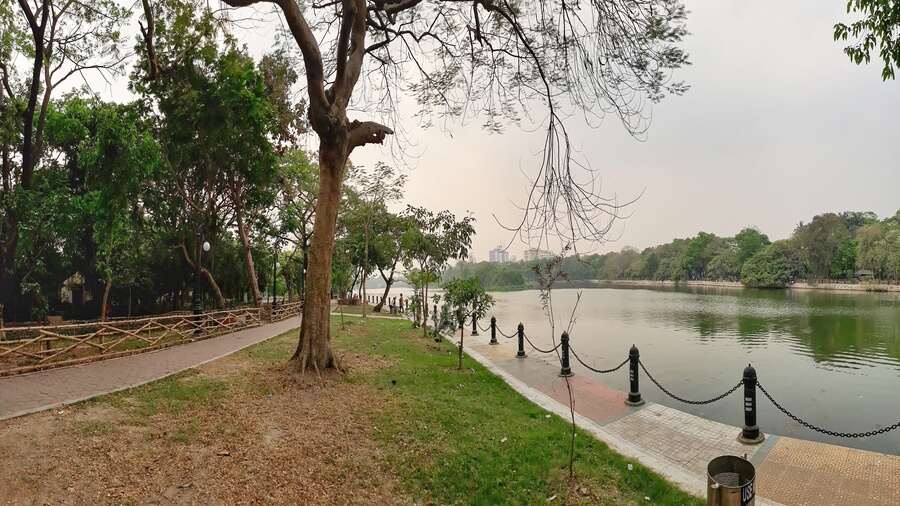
(679, 445)
(28, 393)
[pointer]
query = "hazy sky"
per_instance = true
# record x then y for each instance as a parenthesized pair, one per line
(778, 126)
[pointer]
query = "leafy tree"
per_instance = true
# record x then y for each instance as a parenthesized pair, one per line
(466, 298)
(876, 30)
(217, 123)
(843, 265)
(489, 56)
(112, 152)
(725, 265)
(819, 242)
(433, 240)
(774, 266)
(697, 255)
(749, 241)
(58, 41)
(296, 204)
(376, 189)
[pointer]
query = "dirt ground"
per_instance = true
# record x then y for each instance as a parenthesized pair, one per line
(237, 431)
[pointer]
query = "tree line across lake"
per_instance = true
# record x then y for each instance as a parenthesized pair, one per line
(848, 247)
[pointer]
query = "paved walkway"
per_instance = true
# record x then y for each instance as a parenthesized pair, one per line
(679, 445)
(29, 393)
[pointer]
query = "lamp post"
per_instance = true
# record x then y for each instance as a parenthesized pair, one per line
(274, 273)
(198, 269)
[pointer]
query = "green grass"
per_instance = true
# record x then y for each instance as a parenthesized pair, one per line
(357, 310)
(450, 436)
(173, 395)
(465, 437)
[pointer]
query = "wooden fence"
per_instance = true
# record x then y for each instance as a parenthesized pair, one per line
(285, 310)
(27, 349)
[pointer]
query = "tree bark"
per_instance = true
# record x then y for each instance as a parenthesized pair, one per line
(388, 281)
(314, 348)
(210, 280)
(252, 282)
(365, 273)
(106, 288)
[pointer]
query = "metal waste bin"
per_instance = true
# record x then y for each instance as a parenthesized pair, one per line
(730, 481)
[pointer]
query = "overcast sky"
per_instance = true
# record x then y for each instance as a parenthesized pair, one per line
(778, 126)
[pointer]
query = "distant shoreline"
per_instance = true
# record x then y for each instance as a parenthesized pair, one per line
(632, 283)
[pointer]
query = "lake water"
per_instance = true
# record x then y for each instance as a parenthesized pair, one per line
(831, 358)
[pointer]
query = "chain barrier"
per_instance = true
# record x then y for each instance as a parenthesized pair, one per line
(504, 334)
(826, 431)
(551, 350)
(598, 371)
(688, 401)
(483, 329)
(730, 391)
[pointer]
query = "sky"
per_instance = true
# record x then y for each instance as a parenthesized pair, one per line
(778, 126)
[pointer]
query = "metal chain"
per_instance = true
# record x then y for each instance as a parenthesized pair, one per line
(826, 431)
(505, 335)
(551, 350)
(598, 371)
(688, 401)
(483, 329)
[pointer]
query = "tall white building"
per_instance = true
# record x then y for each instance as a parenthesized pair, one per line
(498, 255)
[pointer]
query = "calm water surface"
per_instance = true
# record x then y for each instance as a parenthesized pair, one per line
(831, 358)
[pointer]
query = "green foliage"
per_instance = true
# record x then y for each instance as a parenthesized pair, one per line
(749, 241)
(875, 30)
(466, 297)
(774, 266)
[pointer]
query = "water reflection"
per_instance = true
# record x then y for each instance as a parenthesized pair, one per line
(841, 330)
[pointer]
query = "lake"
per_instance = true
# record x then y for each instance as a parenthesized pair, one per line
(831, 358)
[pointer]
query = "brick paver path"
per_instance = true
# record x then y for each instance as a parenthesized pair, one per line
(28, 393)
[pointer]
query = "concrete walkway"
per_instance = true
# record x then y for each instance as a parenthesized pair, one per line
(29, 393)
(679, 445)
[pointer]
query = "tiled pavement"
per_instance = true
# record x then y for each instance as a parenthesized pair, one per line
(29, 393)
(679, 445)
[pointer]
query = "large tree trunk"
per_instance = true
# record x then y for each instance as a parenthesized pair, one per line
(253, 282)
(314, 348)
(217, 292)
(210, 280)
(388, 281)
(106, 288)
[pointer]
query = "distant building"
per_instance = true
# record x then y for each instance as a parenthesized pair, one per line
(532, 254)
(498, 255)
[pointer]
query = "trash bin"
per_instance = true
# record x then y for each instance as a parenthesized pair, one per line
(730, 482)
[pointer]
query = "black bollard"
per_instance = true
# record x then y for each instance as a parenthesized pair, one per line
(750, 434)
(521, 333)
(634, 390)
(474, 325)
(494, 331)
(565, 371)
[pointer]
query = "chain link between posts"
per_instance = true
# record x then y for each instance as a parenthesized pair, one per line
(835, 433)
(725, 394)
(689, 401)
(598, 371)
(551, 350)
(504, 334)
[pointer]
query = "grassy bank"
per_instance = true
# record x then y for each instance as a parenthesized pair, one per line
(401, 426)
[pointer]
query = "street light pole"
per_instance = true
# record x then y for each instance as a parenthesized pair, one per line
(197, 301)
(274, 273)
